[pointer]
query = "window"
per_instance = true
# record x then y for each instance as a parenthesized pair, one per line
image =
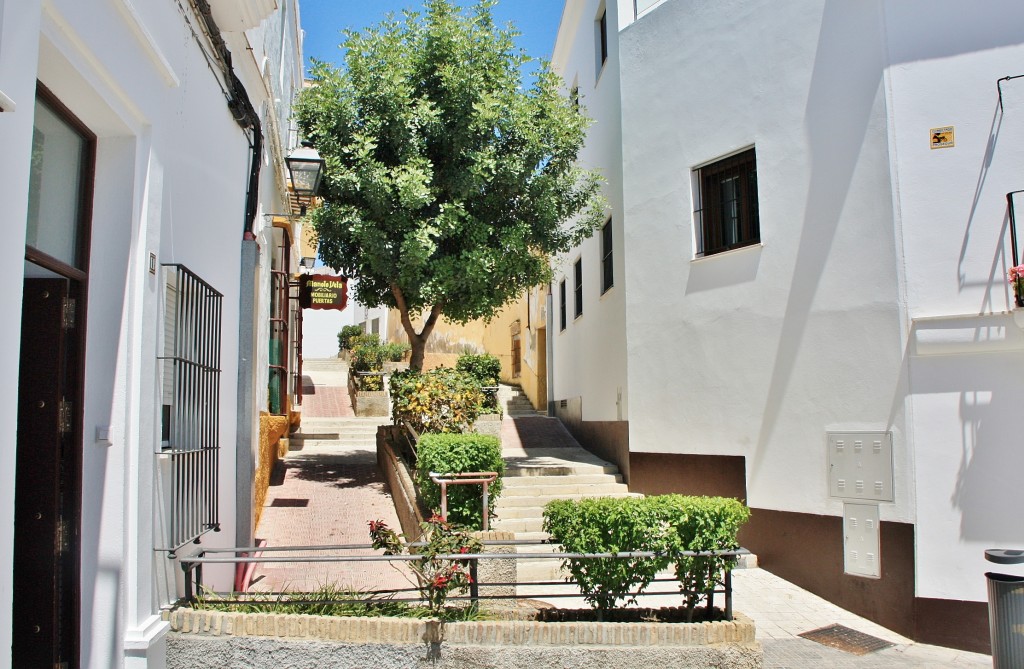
(574, 98)
(191, 403)
(727, 204)
(602, 38)
(607, 269)
(561, 305)
(577, 271)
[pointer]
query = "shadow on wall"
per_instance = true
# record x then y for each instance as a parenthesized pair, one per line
(979, 361)
(728, 269)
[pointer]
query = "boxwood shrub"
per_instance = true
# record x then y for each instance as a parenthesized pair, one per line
(454, 454)
(666, 524)
(346, 334)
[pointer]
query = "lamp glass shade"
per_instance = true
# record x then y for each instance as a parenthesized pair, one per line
(305, 167)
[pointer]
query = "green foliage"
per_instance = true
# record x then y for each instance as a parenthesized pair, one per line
(436, 577)
(439, 401)
(455, 454)
(346, 334)
(327, 600)
(368, 358)
(667, 525)
(485, 367)
(448, 183)
(364, 339)
(395, 351)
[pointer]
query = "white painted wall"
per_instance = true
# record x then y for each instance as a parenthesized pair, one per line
(171, 176)
(966, 354)
(876, 300)
(588, 355)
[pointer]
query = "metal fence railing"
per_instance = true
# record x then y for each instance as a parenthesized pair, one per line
(193, 568)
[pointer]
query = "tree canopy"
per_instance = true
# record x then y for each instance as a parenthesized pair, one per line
(448, 183)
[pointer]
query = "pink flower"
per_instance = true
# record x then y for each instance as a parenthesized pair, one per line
(1016, 273)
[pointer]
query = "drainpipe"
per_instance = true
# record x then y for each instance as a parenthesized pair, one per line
(549, 350)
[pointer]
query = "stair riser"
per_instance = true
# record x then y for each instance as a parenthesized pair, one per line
(512, 482)
(587, 490)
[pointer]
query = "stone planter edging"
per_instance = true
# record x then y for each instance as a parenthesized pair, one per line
(400, 631)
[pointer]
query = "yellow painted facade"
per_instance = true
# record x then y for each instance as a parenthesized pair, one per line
(518, 330)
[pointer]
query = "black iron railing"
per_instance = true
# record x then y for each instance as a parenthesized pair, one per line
(1018, 288)
(191, 361)
(193, 568)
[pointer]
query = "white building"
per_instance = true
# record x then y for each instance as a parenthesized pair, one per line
(815, 237)
(143, 144)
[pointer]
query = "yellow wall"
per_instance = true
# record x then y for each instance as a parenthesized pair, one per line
(449, 340)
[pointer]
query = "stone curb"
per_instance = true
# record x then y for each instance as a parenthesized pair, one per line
(480, 633)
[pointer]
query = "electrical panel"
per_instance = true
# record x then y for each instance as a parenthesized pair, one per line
(861, 541)
(860, 466)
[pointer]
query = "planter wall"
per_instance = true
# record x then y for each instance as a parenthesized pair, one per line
(206, 639)
(367, 402)
(488, 423)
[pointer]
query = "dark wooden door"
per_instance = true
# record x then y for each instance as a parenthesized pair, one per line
(46, 495)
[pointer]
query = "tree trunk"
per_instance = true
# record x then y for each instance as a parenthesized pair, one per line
(417, 340)
(419, 348)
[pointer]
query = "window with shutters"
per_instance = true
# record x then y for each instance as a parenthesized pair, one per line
(726, 215)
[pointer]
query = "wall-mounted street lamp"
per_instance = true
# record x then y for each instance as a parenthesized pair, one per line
(305, 169)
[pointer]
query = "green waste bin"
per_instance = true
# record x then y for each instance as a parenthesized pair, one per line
(1006, 611)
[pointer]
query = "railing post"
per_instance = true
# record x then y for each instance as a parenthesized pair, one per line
(485, 505)
(474, 584)
(728, 594)
(444, 501)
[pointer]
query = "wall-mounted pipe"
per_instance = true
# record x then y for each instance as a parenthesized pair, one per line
(999, 87)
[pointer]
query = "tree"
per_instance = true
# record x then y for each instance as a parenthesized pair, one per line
(448, 185)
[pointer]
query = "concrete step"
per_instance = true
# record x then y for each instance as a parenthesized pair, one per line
(518, 524)
(513, 501)
(564, 468)
(511, 482)
(568, 490)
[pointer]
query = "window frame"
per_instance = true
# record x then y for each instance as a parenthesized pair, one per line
(562, 319)
(601, 40)
(607, 257)
(710, 224)
(577, 273)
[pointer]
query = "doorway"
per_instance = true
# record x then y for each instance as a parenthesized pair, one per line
(48, 479)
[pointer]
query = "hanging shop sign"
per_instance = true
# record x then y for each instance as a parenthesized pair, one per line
(323, 291)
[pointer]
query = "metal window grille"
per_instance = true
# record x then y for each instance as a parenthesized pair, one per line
(578, 285)
(191, 390)
(727, 208)
(561, 305)
(607, 259)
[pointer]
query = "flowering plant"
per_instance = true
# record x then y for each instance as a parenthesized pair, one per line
(436, 577)
(1016, 278)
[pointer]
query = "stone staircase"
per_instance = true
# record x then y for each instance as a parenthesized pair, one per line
(514, 402)
(351, 433)
(535, 478)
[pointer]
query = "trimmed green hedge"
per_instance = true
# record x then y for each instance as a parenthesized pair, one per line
(346, 334)
(486, 368)
(455, 454)
(667, 525)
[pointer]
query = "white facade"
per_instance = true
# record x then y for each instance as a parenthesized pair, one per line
(171, 174)
(587, 354)
(876, 298)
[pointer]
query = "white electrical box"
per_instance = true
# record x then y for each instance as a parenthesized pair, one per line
(861, 541)
(860, 466)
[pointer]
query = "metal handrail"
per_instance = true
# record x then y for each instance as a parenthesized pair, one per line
(463, 478)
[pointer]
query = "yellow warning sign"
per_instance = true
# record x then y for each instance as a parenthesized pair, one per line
(942, 138)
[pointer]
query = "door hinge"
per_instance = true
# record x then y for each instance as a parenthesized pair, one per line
(64, 418)
(68, 313)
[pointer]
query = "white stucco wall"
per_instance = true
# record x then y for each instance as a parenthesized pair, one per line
(588, 358)
(171, 176)
(965, 369)
(759, 351)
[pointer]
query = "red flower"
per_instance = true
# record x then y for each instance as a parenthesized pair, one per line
(464, 549)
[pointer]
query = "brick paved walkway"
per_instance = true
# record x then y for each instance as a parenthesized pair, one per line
(324, 493)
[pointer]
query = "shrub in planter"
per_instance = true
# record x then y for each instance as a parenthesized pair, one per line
(608, 525)
(368, 358)
(439, 401)
(486, 369)
(395, 351)
(346, 334)
(455, 454)
(702, 524)
(667, 524)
